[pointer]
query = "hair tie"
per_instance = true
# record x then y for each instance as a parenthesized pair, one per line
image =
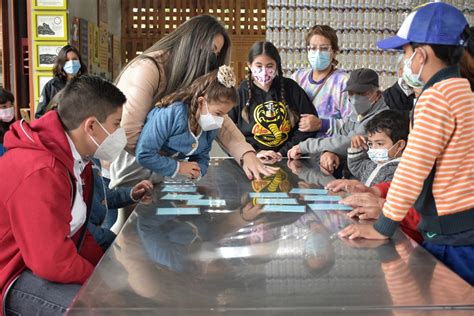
(226, 76)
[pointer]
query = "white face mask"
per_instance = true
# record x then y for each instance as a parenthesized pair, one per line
(380, 155)
(208, 122)
(6, 115)
(410, 78)
(112, 145)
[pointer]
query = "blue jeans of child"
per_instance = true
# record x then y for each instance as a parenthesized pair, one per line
(31, 295)
(460, 259)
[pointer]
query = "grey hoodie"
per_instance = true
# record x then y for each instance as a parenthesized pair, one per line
(367, 171)
(340, 140)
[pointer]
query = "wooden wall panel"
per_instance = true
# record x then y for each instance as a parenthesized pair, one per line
(145, 22)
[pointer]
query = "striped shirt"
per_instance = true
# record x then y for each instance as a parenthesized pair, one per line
(443, 134)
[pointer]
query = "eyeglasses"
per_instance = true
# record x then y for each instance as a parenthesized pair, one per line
(322, 48)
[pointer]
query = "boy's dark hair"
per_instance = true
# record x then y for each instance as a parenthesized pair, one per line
(87, 96)
(6, 96)
(61, 59)
(390, 122)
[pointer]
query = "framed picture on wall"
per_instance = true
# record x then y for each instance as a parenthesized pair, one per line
(45, 54)
(50, 4)
(50, 26)
(41, 78)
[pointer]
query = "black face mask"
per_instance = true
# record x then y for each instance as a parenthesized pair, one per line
(212, 63)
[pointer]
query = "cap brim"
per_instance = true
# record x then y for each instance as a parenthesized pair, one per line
(394, 42)
(359, 88)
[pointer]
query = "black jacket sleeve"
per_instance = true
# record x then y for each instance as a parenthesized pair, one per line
(45, 99)
(298, 101)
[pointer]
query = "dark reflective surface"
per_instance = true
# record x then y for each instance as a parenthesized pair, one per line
(237, 259)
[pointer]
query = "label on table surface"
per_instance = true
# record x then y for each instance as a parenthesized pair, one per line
(173, 188)
(206, 202)
(268, 194)
(322, 198)
(329, 207)
(285, 208)
(177, 211)
(181, 197)
(276, 201)
(308, 191)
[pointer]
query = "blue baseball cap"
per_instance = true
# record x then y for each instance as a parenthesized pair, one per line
(432, 23)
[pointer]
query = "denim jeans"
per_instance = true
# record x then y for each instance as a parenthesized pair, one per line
(32, 295)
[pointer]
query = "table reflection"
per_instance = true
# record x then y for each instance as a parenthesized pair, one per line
(238, 257)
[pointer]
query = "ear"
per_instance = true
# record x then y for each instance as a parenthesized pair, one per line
(423, 54)
(90, 125)
(402, 144)
(200, 101)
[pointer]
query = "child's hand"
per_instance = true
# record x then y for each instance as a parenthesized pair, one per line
(359, 141)
(309, 123)
(142, 191)
(295, 166)
(294, 152)
(265, 155)
(366, 231)
(189, 169)
(329, 162)
(365, 205)
(351, 186)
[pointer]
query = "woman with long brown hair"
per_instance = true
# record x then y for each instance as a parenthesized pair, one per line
(195, 48)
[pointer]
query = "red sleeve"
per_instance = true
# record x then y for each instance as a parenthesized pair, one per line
(40, 213)
(383, 188)
(410, 222)
(90, 249)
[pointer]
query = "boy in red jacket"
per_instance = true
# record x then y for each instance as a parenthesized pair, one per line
(46, 252)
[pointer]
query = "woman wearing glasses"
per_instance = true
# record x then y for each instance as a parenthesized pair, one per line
(323, 82)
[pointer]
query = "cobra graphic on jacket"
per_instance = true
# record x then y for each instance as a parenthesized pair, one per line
(272, 124)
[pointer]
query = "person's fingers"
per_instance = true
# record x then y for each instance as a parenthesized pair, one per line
(334, 183)
(341, 186)
(139, 193)
(364, 215)
(330, 167)
(348, 201)
(355, 234)
(353, 213)
(345, 232)
(268, 171)
(249, 173)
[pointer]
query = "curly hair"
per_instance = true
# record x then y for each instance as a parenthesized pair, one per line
(390, 122)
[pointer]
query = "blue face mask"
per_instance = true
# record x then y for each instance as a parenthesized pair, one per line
(319, 60)
(71, 67)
